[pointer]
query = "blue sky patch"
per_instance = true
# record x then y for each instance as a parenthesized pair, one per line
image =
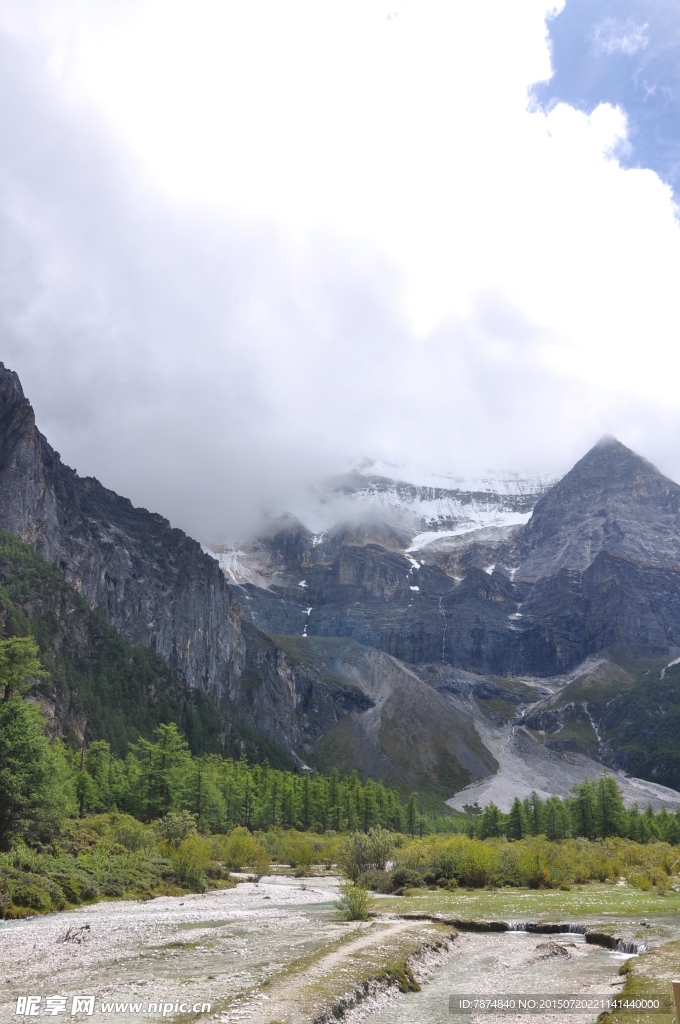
(627, 53)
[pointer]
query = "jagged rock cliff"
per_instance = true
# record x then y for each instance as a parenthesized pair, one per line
(159, 588)
(151, 581)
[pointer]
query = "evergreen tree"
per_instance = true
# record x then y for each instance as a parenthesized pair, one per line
(517, 822)
(583, 810)
(19, 663)
(555, 819)
(29, 805)
(534, 809)
(610, 809)
(412, 814)
(490, 826)
(634, 828)
(164, 771)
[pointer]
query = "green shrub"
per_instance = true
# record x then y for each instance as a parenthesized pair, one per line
(404, 878)
(241, 850)
(176, 826)
(190, 859)
(363, 851)
(132, 835)
(354, 903)
(377, 881)
(301, 856)
(235, 849)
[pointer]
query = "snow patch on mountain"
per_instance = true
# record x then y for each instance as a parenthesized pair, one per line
(479, 520)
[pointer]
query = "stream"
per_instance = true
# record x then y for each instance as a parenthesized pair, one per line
(492, 966)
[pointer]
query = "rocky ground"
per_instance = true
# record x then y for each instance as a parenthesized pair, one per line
(277, 952)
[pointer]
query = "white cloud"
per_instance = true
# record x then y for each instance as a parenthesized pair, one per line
(247, 243)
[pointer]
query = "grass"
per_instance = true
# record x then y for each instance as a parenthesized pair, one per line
(592, 900)
(650, 975)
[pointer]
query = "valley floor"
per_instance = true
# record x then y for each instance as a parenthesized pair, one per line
(276, 951)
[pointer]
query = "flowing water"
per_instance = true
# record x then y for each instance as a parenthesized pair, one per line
(495, 966)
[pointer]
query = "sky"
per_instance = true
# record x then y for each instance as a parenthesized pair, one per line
(245, 246)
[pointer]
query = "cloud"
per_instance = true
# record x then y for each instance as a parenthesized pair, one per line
(355, 240)
(625, 53)
(610, 36)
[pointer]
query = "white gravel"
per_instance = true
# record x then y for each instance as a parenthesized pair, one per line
(205, 947)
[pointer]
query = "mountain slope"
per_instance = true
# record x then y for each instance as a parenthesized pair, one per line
(98, 685)
(150, 581)
(612, 501)
(407, 734)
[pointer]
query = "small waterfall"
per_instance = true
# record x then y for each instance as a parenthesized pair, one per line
(630, 947)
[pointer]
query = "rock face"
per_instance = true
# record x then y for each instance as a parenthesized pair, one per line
(283, 696)
(159, 588)
(151, 581)
(597, 567)
(612, 501)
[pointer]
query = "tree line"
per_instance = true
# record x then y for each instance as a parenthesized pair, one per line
(43, 782)
(595, 810)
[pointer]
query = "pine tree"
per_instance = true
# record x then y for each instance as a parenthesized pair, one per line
(517, 822)
(490, 827)
(412, 814)
(610, 809)
(534, 809)
(27, 774)
(583, 810)
(555, 819)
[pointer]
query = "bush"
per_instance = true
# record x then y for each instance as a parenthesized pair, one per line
(354, 903)
(403, 878)
(377, 881)
(235, 850)
(364, 851)
(176, 826)
(301, 856)
(475, 864)
(241, 850)
(132, 835)
(190, 859)
(259, 861)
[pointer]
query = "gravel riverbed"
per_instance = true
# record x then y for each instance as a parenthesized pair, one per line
(272, 951)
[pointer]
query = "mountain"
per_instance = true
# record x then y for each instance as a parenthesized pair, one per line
(612, 503)
(152, 582)
(584, 594)
(163, 595)
(97, 684)
(596, 567)
(451, 640)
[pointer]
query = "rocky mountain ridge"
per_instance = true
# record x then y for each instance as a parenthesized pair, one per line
(162, 592)
(596, 567)
(151, 581)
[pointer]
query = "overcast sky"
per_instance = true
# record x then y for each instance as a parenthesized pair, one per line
(244, 245)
